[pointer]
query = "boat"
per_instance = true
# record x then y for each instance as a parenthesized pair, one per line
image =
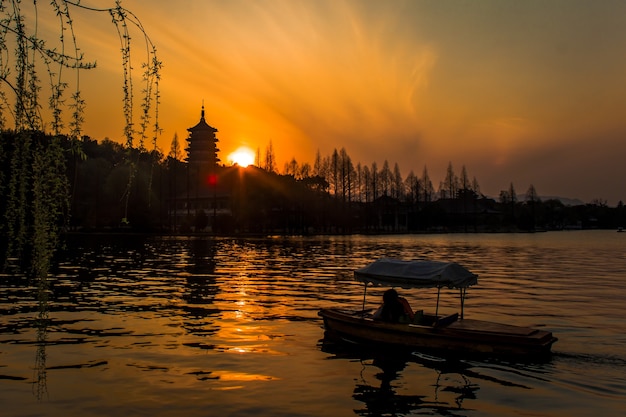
(434, 332)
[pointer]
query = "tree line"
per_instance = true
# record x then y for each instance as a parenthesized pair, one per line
(334, 195)
(457, 204)
(53, 179)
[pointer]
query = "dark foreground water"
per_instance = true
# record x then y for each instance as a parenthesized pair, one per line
(161, 326)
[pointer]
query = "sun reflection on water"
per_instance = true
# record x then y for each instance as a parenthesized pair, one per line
(168, 322)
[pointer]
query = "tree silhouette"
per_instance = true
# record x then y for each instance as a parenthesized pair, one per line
(270, 158)
(37, 166)
(397, 189)
(450, 183)
(427, 186)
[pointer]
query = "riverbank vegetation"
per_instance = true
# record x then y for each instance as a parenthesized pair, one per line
(41, 122)
(332, 196)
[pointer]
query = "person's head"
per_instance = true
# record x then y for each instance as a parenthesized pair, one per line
(390, 296)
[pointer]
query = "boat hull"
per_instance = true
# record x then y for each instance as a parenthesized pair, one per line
(464, 336)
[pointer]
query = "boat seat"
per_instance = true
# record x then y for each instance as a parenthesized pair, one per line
(446, 320)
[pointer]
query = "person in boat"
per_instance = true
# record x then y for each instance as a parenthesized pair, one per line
(395, 309)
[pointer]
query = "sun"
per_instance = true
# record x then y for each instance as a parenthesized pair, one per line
(243, 157)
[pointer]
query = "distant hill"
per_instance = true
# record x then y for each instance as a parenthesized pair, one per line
(566, 201)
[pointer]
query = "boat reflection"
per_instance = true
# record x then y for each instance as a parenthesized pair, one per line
(384, 400)
(442, 394)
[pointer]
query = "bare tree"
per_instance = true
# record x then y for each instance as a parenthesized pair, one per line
(531, 195)
(531, 200)
(600, 202)
(475, 186)
(427, 186)
(334, 171)
(270, 158)
(450, 184)
(257, 157)
(304, 171)
(413, 188)
(367, 184)
(512, 194)
(397, 184)
(317, 165)
(175, 152)
(291, 167)
(359, 183)
(504, 197)
(464, 181)
(347, 175)
(375, 181)
(385, 179)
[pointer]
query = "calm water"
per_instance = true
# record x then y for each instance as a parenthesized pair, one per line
(160, 326)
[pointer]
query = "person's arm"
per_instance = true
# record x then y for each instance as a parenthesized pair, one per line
(378, 314)
(407, 308)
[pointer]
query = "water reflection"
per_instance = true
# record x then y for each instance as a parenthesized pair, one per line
(380, 389)
(41, 324)
(200, 290)
(202, 259)
(191, 324)
(384, 400)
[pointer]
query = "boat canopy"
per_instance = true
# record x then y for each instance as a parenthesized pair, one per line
(416, 274)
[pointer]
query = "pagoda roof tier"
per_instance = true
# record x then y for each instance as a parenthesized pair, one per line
(202, 125)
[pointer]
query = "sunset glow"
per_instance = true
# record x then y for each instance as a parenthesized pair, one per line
(243, 157)
(415, 83)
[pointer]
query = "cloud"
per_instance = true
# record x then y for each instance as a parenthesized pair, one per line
(495, 86)
(330, 77)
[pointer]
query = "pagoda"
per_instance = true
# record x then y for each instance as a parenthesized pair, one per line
(202, 149)
(206, 198)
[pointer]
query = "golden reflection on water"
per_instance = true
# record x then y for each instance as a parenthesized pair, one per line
(240, 376)
(165, 323)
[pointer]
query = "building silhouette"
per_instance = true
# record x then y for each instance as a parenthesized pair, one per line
(205, 198)
(202, 149)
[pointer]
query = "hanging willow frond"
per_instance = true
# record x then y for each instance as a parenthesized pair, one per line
(33, 187)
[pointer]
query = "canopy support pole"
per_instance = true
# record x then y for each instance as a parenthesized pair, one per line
(364, 293)
(463, 292)
(437, 309)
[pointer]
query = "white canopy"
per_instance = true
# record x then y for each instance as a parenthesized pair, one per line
(416, 274)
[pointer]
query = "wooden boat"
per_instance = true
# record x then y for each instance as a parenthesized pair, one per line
(442, 334)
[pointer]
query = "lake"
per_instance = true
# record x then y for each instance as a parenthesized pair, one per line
(171, 326)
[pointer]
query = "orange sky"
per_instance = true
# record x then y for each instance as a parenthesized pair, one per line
(529, 92)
